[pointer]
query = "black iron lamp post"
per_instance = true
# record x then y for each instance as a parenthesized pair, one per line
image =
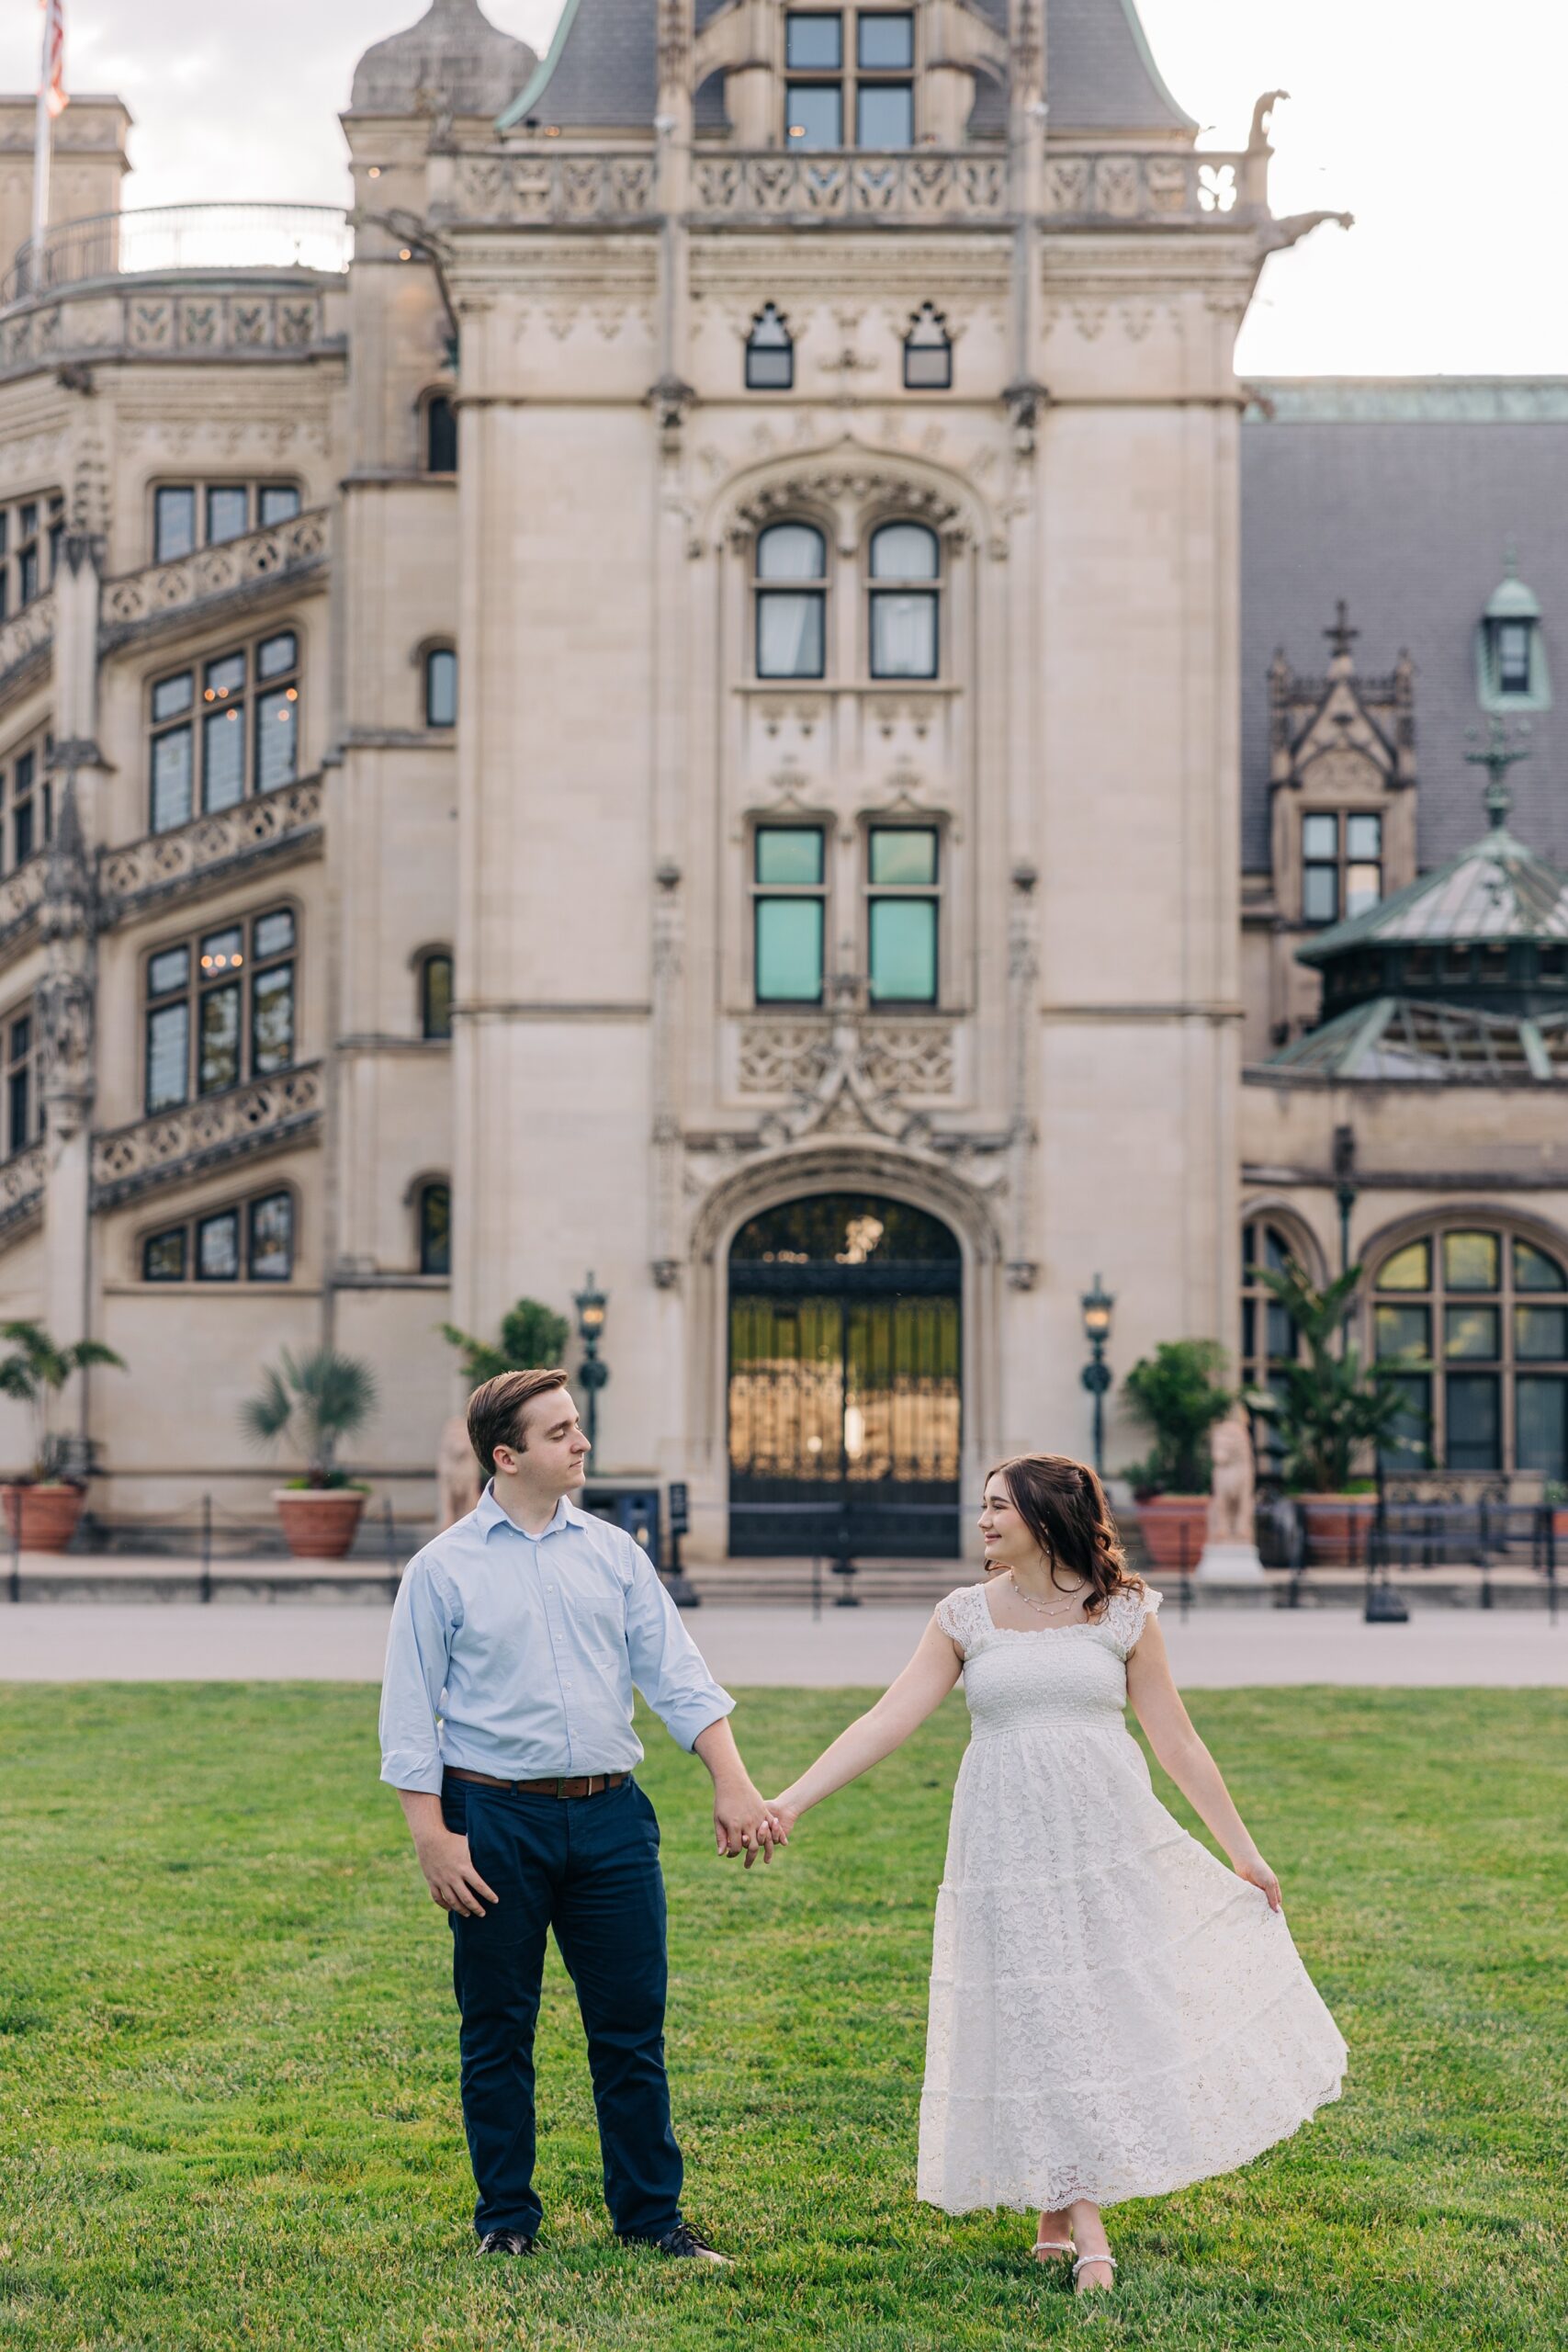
(591, 1303)
(1096, 1305)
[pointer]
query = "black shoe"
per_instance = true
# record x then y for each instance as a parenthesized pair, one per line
(506, 2242)
(685, 2241)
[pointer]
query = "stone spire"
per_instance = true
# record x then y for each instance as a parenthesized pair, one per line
(453, 61)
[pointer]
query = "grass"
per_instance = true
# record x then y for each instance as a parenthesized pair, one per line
(228, 2095)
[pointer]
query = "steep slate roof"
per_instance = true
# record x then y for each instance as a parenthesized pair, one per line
(454, 55)
(602, 68)
(1400, 497)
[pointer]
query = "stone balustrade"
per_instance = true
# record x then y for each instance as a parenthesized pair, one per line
(168, 317)
(174, 1144)
(21, 1188)
(209, 849)
(280, 550)
(21, 894)
(24, 637)
(599, 185)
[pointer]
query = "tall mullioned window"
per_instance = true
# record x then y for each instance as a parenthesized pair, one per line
(905, 572)
(903, 909)
(31, 530)
(1473, 1321)
(792, 595)
(224, 729)
(23, 1119)
(788, 914)
(219, 1009)
(850, 78)
(27, 803)
(1341, 865)
(191, 515)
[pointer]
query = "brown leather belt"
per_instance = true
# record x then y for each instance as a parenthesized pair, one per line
(584, 1784)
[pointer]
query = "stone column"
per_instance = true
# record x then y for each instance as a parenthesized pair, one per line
(65, 1010)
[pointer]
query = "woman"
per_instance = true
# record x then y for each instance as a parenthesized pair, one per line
(1113, 2013)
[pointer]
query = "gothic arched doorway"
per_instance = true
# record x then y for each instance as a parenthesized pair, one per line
(845, 1387)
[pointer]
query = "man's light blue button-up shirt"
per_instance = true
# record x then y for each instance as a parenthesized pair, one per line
(516, 1655)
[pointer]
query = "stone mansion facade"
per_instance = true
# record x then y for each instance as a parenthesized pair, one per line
(681, 693)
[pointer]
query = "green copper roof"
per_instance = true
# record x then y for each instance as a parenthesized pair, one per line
(1496, 889)
(1393, 1040)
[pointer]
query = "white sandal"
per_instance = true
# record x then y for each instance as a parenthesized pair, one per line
(1109, 2260)
(1044, 2248)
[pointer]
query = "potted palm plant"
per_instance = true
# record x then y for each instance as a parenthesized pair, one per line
(44, 1506)
(315, 1400)
(1177, 1394)
(1330, 1408)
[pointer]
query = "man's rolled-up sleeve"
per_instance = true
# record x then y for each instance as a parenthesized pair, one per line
(418, 1648)
(667, 1666)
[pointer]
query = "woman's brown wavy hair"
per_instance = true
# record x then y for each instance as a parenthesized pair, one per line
(1063, 1505)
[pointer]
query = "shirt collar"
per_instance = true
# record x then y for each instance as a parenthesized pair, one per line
(489, 1515)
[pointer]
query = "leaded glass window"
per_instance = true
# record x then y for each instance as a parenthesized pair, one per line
(789, 913)
(237, 716)
(219, 1009)
(903, 908)
(1473, 1321)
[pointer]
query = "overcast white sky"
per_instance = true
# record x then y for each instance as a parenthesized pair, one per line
(1438, 124)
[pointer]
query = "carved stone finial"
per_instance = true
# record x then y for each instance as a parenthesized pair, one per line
(1257, 137)
(1341, 636)
(674, 40)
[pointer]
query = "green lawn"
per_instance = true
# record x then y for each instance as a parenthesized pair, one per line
(227, 2094)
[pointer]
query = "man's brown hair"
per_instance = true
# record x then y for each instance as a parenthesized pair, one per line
(496, 1409)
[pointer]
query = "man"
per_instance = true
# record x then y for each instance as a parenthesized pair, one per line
(535, 1620)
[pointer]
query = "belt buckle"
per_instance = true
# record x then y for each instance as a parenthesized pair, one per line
(561, 1785)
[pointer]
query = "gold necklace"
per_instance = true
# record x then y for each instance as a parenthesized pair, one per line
(1044, 1608)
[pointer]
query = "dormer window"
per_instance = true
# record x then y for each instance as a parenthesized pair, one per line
(927, 353)
(1510, 657)
(850, 65)
(769, 354)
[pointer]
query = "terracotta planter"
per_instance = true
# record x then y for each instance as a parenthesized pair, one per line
(43, 1519)
(318, 1522)
(1560, 1530)
(1174, 1528)
(1338, 1527)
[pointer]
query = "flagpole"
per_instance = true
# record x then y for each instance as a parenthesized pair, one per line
(50, 101)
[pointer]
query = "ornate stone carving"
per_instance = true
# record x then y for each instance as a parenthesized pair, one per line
(66, 996)
(283, 549)
(85, 324)
(920, 186)
(554, 187)
(782, 1057)
(908, 1058)
(287, 821)
(851, 482)
(176, 1145)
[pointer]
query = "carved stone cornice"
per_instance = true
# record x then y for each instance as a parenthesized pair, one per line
(171, 317)
(236, 574)
(270, 828)
(175, 1146)
(21, 1193)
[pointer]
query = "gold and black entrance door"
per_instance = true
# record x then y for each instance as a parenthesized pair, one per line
(845, 1394)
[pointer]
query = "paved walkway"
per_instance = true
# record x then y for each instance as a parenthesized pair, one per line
(1218, 1648)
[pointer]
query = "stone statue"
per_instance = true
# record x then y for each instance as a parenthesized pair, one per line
(1230, 1551)
(1231, 1496)
(457, 1481)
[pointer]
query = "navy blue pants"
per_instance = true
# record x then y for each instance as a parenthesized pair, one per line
(588, 1868)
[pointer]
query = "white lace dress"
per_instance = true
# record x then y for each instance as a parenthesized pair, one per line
(1113, 2012)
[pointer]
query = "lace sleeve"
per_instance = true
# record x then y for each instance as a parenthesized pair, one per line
(1132, 1609)
(950, 1615)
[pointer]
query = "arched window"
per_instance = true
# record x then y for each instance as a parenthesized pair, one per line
(769, 354)
(441, 688)
(927, 353)
(435, 995)
(1269, 1337)
(1474, 1322)
(435, 1228)
(440, 435)
(791, 591)
(904, 633)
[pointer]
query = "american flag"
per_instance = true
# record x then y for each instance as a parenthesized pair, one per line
(53, 85)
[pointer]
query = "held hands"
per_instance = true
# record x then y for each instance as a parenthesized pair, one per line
(1251, 1866)
(449, 1874)
(743, 1823)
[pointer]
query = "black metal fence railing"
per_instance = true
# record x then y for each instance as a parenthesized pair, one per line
(1411, 1535)
(213, 1540)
